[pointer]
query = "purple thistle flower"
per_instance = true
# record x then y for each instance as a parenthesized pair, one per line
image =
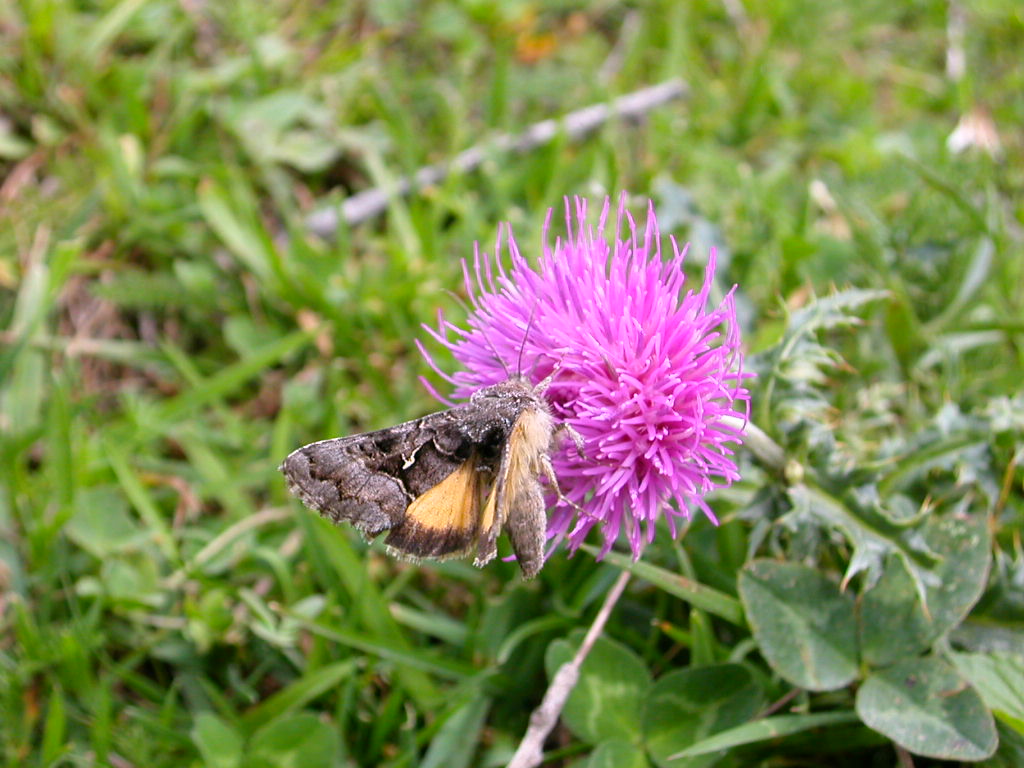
(643, 371)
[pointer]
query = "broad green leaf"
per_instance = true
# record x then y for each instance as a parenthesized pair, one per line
(617, 754)
(927, 708)
(101, 524)
(308, 151)
(609, 696)
(1010, 752)
(300, 741)
(131, 578)
(958, 580)
(763, 730)
(688, 705)
(948, 557)
(893, 624)
(218, 743)
(999, 678)
(803, 624)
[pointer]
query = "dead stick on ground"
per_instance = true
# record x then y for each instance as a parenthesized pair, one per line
(531, 749)
(371, 202)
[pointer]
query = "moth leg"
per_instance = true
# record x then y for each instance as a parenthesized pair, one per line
(575, 436)
(527, 528)
(493, 517)
(549, 473)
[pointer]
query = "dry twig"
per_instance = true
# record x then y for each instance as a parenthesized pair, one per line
(542, 721)
(371, 202)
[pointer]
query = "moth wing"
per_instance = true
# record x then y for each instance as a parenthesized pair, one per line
(443, 521)
(370, 479)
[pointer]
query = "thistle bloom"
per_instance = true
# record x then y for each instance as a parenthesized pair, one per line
(647, 374)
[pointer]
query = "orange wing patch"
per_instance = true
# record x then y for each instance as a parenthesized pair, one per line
(443, 521)
(487, 520)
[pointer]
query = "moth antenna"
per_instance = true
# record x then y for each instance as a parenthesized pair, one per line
(546, 382)
(497, 354)
(522, 346)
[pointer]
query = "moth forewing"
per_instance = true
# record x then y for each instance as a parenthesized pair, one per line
(423, 481)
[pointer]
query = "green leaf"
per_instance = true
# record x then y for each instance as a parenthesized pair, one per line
(696, 594)
(927, 708)
(411, 660)
(229, 378)
(688, 705)
(764, 730)
(308, 151)
(300, 741)
(794, 369)
(101, 524)
(457, 740)
(1010, 753)
(617, 754)
(136, 492)
(999, 678)
(106, 29)
(956, 583)
(948, 557)
(242, 238)
(893, 624)
(131, 579)
(379, 633)
(298, 694)
(55, 728)
(509, 621)
(609, 696)
(218, 743)
(804, 625)
(829, 312)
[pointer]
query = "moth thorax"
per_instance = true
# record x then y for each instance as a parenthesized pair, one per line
(534, 428)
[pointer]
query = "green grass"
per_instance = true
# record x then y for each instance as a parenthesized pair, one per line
(171, 331)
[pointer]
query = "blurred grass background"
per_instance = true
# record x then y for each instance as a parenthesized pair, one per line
(170, 328)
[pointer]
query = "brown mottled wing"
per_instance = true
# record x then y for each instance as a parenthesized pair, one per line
(371, 479)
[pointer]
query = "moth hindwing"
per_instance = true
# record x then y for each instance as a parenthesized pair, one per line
(445, 484)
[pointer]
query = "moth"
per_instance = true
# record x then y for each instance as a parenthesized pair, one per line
(447, 484)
